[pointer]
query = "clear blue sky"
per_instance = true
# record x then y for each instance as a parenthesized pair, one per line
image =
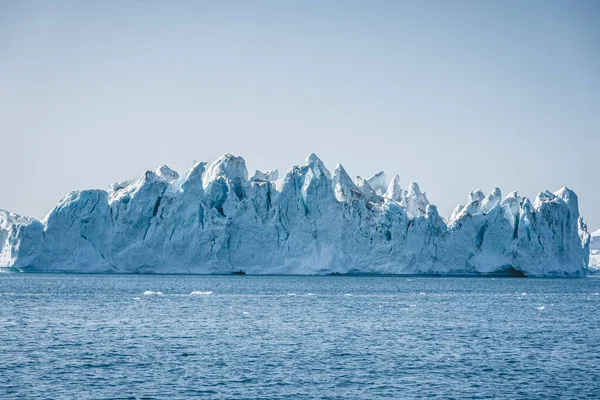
(455, 95)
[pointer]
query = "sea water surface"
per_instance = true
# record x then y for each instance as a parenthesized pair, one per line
(275, 337)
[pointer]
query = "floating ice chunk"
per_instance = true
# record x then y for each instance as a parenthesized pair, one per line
(310, 294)
(151, 293)
(291, 294)
(200, 293)
(246, 313)
(541, 308)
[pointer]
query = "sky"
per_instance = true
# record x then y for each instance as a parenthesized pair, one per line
(454, 95)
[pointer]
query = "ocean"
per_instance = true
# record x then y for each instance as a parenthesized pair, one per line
(65, 336)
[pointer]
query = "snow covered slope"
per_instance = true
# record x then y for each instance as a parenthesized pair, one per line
(213, 219)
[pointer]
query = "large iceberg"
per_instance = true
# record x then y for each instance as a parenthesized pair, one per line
(214, 219)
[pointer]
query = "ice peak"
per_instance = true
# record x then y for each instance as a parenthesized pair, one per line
(476, 195)
(167, 173)
(566, 194)
(342, 184)
(191, 181)
(312, 157)
(364, 186)
(317, 166)
(431, 211)
(491, 200)
(378, 182)
(394, 191)
(227, 166)
(569, 197)
(415, 201)
(414, 188)
(456, 213)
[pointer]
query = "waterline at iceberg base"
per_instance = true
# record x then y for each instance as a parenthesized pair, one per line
(214, 220)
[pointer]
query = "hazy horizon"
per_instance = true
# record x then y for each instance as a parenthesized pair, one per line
(455, 96)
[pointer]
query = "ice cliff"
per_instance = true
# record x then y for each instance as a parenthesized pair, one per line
(214, 219)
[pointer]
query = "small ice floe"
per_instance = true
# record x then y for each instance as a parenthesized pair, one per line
(151, 293)
(291, 294)
(246, 313)
(198, 293)
(541, 308)
(412, 305)
(523, 294)
(347, 294)
(596, 294)
(310, 294)
(422, 293)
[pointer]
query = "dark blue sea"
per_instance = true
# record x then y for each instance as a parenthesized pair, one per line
(274, 337)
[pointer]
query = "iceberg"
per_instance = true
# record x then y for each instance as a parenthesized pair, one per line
(594, 266)
(214, 219)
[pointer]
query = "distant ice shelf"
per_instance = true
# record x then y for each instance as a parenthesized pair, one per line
(214, 220)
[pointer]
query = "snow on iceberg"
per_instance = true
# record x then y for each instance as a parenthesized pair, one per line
(213, 219)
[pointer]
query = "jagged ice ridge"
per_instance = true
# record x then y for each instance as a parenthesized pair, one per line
(215, 220)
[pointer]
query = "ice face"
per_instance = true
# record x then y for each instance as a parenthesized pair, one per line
(214, 220)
